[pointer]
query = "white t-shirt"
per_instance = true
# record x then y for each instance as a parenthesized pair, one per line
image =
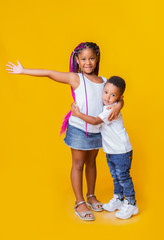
(115, 139)
(95, 104)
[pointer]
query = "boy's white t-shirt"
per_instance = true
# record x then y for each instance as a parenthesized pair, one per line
(115, 139)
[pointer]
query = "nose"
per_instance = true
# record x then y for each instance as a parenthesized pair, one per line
(87, 61)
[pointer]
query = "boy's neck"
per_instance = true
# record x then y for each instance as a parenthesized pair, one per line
(110, 104)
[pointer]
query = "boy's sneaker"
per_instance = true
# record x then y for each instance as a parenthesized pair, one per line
(114, 204)
(127, 210)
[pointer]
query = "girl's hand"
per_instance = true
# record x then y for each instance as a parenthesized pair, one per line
(15, 69)
(75, 110)
(115, 110)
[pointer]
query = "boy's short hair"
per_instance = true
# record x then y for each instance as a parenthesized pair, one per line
(118, 82)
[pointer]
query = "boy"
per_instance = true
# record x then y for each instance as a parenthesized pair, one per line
(118, 149)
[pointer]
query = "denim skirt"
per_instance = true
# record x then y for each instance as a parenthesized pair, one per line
(77, 139)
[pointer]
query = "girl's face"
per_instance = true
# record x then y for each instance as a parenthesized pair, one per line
(87, 60)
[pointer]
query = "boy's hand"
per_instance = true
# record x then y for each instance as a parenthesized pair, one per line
(114, 113)
(115, 110)
(15, 69)
(75, 110)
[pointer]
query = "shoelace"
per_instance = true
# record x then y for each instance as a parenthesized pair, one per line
(124, 207)
(113, 200)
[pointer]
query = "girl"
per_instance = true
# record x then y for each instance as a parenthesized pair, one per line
(83, 139)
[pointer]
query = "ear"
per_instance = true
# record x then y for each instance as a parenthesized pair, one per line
(121, 98)
(77, 60)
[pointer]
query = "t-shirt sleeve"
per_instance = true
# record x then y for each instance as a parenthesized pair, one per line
(104, 116)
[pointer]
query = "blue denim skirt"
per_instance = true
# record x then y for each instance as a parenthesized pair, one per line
(76, 139)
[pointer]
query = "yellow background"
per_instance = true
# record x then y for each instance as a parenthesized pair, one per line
(36, 198)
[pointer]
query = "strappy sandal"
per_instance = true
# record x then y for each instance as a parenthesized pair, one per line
(83, 215)
(94, 206)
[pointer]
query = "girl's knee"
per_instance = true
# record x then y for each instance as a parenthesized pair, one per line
(91, 163)
(78, 165)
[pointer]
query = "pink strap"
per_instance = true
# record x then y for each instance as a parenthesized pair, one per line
(86, 99)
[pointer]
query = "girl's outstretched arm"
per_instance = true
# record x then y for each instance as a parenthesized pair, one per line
(62, 77)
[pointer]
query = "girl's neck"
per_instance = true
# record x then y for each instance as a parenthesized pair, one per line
(90, 75)
(93, 77)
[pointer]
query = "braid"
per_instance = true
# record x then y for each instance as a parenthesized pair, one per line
(73, 65)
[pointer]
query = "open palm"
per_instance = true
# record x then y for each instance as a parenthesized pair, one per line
(14, 69)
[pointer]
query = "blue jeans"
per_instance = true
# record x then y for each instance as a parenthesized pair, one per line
(119, 165)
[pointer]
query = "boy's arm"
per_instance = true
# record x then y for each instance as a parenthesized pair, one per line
(62, 77)
(89, 119)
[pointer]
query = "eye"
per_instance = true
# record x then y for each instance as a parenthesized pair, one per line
(83, 59)
(105, 92)
(113, 95)
(92, 58)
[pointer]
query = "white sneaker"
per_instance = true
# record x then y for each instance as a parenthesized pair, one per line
(113, 204)
(127, 210)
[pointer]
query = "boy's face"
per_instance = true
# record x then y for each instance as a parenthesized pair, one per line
(111, 94)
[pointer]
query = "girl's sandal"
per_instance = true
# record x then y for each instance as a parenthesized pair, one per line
(83, 215)
(94, 206)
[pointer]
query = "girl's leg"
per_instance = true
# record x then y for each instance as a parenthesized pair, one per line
(78, 160)
(91, 172)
